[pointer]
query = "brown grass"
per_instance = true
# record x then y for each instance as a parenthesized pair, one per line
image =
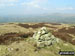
(39, 25)
(54, 23)
(63, 34)
(70, 30)
(73, 42)
(11, 37)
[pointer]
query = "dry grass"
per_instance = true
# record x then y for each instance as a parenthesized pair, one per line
(39, 25)
(18, 37)
(64, 34)
(8, 38)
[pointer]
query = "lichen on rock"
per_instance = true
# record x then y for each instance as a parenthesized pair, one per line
(44, 37)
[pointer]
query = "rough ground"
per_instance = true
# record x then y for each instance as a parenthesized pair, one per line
(16, 39)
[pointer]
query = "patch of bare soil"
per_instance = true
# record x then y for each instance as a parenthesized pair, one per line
(54, 23)
(39, 25)
(63, 34)
(11, 37)
(70, 30)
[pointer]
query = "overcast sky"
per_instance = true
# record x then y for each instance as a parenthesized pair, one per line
(28, 7)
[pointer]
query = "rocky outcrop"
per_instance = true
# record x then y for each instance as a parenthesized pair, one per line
(44, 37)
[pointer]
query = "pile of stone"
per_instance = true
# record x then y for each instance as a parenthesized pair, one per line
(44, 37)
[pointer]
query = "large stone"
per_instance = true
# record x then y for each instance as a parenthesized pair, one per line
(44, 37)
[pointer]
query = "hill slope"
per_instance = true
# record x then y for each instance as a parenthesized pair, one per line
(16, 39)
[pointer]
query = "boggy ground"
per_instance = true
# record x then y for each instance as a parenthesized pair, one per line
(16, 38)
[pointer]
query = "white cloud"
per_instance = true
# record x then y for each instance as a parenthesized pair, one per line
(32, 3)
(35, 3)
(12, 0)
(45, 9)
(24, 3)
(67, 8)
(40, 0)
(4, 3)
(11, 4)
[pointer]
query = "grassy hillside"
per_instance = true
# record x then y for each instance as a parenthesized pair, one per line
(16, 39)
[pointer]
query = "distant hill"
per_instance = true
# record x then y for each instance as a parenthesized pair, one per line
(55, 17)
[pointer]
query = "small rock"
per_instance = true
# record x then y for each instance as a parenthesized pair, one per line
(35, 50)
(10, 49)
(17, 49)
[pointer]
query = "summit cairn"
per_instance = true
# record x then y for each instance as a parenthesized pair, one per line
(44, 37)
